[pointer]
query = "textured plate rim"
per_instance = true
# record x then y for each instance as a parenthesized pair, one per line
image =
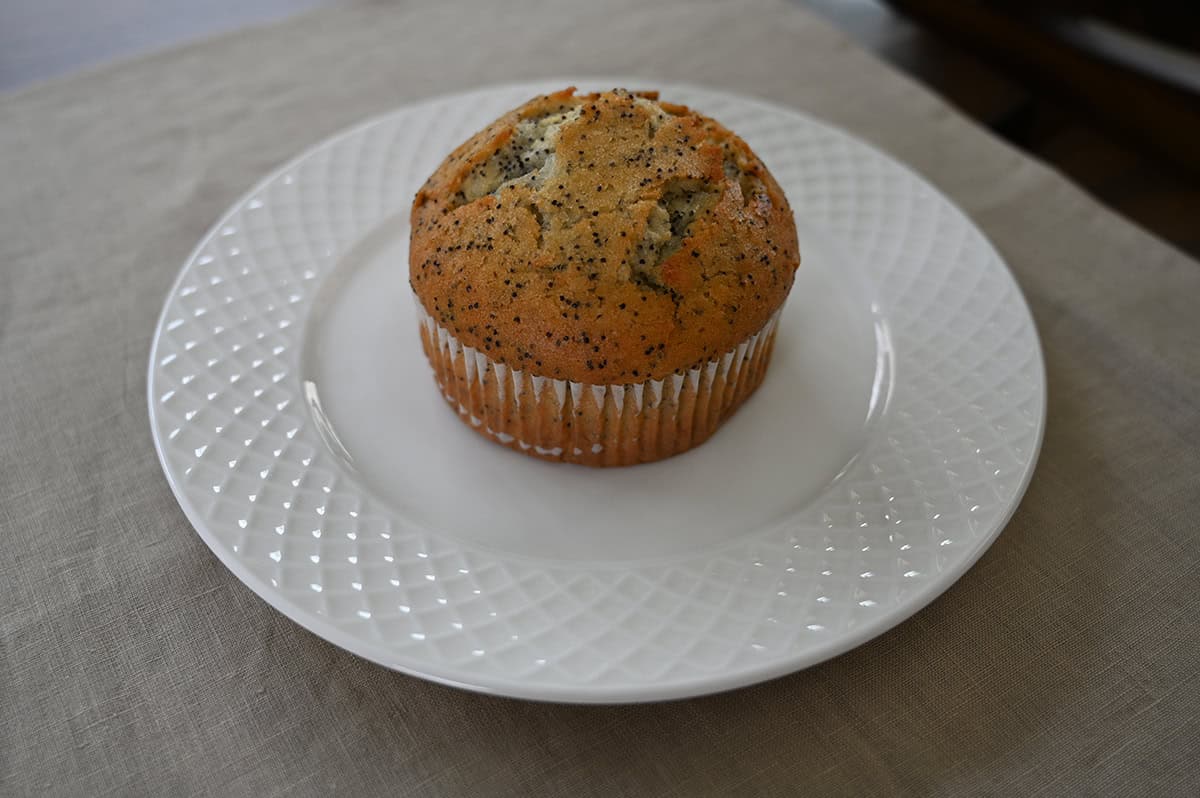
(618, 692)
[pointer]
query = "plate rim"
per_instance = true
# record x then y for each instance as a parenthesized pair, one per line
(618, 692)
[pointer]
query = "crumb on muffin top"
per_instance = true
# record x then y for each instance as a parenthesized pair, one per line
(602, 238)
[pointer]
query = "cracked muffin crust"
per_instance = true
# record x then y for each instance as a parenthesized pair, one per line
(602, 240)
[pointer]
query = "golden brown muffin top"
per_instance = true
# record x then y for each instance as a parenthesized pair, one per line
(602, 238)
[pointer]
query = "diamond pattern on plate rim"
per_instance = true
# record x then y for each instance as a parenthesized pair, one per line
(946, 463)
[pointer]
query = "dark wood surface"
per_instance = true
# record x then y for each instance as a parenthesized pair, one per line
(1124, 166)
(1138, 106)
(1144, 172)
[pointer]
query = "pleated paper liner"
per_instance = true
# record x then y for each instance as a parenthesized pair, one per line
(596, 425)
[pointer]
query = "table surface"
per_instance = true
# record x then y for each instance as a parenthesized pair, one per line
(131, 662)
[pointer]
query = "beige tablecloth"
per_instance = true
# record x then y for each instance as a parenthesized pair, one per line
(1067, 662)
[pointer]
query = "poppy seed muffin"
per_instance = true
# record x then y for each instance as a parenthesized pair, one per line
(598, 277)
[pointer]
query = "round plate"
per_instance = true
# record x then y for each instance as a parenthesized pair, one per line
(299, 426)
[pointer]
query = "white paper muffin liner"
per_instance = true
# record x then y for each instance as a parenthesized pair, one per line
(597, 425)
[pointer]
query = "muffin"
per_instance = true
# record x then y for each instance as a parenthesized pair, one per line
(598, 277)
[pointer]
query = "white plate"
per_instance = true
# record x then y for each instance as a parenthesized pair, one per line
(301, 431)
